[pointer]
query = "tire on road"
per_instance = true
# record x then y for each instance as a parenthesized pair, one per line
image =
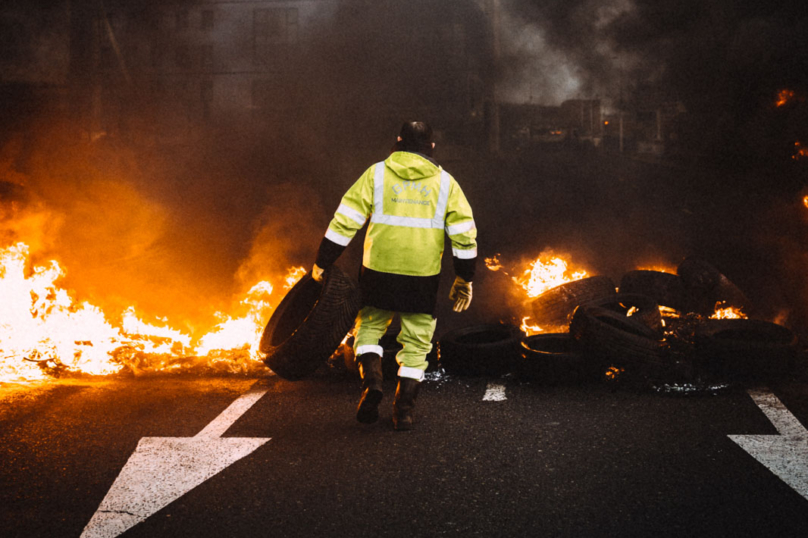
(553, 358)
(666, 289)
(706, 287)
(727, 294)
(553, 308)
(616, 339)
(479, 350)
(644, 309)
(745, 349)
(309, 324)
(698, 275)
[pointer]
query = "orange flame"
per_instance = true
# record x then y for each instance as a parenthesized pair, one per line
(493, 263)
(727, 312)
(43, 329)
(295, 274)
(529, 329)
(784, 97)
(545, 273)
(660, 268)
(800, 151)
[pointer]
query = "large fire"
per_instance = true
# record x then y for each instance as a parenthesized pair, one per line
(43, 330)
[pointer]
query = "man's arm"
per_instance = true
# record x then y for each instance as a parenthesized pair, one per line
(463, 234)
(351, 215)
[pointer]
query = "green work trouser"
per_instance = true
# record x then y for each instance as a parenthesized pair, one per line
(416, 337)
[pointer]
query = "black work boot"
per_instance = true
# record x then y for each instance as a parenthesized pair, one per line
(404, 404)
(370, 368)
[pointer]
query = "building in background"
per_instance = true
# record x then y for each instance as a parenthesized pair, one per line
(169, 72)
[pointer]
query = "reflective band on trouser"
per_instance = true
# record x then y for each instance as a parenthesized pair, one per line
(341, 240)
(463, 227)
(352, 214)
(412, 373)
(464, 254)
(361, 350)
(380, 217)
(371, 324)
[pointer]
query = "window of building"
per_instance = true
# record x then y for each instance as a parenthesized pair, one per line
(207, 19)
(274, 30)
(207, 56)
(183, 56)
(156, 55)
(207, 91)
(266, 94)
(181, 19)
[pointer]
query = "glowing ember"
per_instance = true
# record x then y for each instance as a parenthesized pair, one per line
(659, 268)
(493, 263)
(727, 313)
(546, 273)
(800, 151)
(783, 97)
(669, 312)
(805, 201)
(529, 329)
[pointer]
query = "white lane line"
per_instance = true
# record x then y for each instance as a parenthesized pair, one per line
(222, 423)
(782, 419)
(494, 392)
(163, 469)
(785, 455)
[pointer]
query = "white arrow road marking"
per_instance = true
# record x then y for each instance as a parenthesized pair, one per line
(786, 455)
(494, 392)
(163, 469)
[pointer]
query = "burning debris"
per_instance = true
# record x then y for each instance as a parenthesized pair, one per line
(546, 272)
(671, 329)
(46, 332)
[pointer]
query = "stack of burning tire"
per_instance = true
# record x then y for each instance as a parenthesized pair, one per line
(600, 333)
(309, 324)
(596, 332)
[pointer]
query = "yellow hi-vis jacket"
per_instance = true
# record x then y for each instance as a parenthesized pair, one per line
(410, 202)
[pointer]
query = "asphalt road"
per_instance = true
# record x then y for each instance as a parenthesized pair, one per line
(591, 460)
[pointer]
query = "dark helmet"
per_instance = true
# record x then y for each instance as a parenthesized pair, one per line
(415, 136)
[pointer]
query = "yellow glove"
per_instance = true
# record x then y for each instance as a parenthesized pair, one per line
(460, 294)
(317, 273)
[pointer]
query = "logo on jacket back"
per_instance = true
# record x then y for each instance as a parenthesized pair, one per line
(412, 186)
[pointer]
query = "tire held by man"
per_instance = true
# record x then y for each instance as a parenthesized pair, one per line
(309, 324)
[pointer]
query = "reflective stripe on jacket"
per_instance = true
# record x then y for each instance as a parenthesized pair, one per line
(411, 202)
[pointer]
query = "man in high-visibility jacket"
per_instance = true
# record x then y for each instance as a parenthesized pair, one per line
(411, 203)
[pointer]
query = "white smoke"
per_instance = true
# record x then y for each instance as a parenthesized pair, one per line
(539, 70)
